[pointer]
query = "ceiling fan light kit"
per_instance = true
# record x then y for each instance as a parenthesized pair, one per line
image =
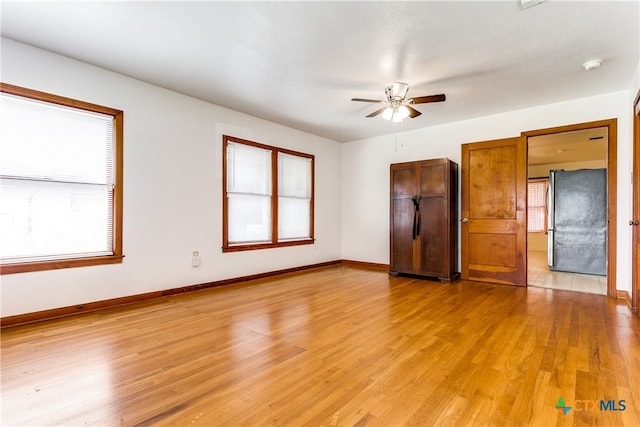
(397, 114)
(397, 106)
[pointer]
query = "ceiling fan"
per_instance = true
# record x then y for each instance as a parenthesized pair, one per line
(397, 107)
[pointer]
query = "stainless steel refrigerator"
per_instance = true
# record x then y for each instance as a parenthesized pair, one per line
(578, 221)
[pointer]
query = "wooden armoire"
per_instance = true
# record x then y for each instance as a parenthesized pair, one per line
(424, 219)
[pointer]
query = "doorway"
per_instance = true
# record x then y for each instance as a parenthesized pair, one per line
(571, 148)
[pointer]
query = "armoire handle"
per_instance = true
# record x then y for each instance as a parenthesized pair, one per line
(416, 215)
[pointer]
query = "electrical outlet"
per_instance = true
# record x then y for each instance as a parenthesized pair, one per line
(195, 259)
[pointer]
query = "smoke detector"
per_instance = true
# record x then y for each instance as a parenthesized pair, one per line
(591, 64)
(525, 4)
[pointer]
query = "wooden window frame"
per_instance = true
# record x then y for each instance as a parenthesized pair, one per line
(274, 243)
(118, 118)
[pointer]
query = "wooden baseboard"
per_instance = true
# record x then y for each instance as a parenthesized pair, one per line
(38, 316)
(365, 265)
(625, 296)
(53, 313)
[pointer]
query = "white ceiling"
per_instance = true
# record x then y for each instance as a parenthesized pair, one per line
(299, 63)
(568, 147)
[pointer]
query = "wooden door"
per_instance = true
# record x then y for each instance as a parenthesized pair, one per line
(494, 211)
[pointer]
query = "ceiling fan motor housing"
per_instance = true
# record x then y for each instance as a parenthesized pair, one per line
(397, 91)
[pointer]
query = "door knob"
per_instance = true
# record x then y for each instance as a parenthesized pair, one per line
(465, 219)
(633, 222)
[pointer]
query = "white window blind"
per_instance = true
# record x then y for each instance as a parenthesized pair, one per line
(537, 206)
(248, 193)
(294, 197)
(57, 178)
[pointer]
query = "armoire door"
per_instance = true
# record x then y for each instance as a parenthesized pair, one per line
(494, 211)
(404, 186)
(434, 218)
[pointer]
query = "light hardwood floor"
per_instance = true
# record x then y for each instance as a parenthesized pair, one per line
(337, 346)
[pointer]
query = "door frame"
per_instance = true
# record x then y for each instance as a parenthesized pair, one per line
(612, 186)
(635, 235)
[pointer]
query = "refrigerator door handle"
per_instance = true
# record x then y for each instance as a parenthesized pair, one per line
(550, 247)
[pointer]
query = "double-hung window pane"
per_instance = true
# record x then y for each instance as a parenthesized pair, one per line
(57, 181)
(248, 193)
(294, 197)
(268, 196)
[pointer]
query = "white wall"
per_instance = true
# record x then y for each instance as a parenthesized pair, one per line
(172, 188)
(537, 242)
(365, 168)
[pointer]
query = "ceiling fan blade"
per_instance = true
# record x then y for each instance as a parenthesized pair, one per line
(375, 113)
(413, 112)
(426, 99)
(377, 101)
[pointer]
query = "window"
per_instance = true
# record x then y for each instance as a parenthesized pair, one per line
(537, 206)
(267, 196)
(61, 182)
